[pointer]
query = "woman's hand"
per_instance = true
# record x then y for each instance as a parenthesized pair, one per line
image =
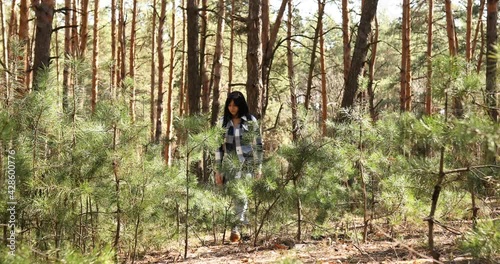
(218, 178)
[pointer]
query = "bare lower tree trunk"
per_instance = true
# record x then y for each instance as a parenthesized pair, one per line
(168, 133)
(324, 95)
(5, 54)
(291, 73)
(84, 31)
(491, 60)
(205, 80)
(313, 57)
(153, 75)
(428, 86)
(478, 27)
(24, 38)
(468, 31)
(161, 70)
(371, 77)
(452, 44)
(67, 57)
(44, 11)
(254, 58)
(131, 61)
(122, 40)
(218, 58)
(95, 56)
(346, 38)
(193, 73)
(114, 50)
(231, 50)
(182, 83)
(405, 92)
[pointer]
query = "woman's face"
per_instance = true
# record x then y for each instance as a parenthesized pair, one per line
(233, 108)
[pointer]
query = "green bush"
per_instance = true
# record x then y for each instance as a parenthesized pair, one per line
(484, 242)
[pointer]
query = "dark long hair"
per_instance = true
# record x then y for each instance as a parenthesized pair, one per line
(239, 100)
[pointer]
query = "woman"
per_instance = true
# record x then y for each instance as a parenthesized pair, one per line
(241, 153)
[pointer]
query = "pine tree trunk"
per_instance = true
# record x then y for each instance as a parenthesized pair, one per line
(24, 39)
(114, 50)
(131, 62)
(254, 58)
(218, 59)
(153, 75)
(5, 54)
(468, 32)
(408, 60)
(95, 56)
(123, 48)
(452, 44)
(231, 50)
(324, 95)
(161, 70)
(193, 73)
(428, 84)
(168, 133)
(491, 61)
(205, 80)
(268, 56)
(84, 31)
(371, 76)
(478, 27)
(346, 38)
(182, 83)
(404, 96)
(44, 11)
(313, 58)
(67, 55)
(13, 20)
(359, 55)
(291, 73)
(75, 38)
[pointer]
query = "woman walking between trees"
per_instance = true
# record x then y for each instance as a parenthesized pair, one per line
(240, 155)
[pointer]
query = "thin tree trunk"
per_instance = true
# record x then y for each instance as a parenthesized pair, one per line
(313, 58)
(408, 61)
(95, 56)
(131, 62)
(168, 133)
(193, 73)
(231, 50)
(205, 80)
(478, 27)
(405, 67)
(44, 11)
(182, 83)
(116, 243)
(161, 70)
(268, 57)
(359, 55)
(324, 95)
(153, 75)
(452, 44)
(75, 48)
(24, 39)
(491, 60)
(291, 73)
(67, 56)
(123, 47)
(428, 84)
(218, 59)
(468, 32)
(371, 77)
(5, 54)
(346, 38)
(84, 32)
(114, 50)
(481, 50)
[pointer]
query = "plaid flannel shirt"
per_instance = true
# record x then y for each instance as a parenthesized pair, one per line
(236, 143)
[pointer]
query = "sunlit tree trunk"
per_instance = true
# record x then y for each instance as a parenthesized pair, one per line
(95, 56)
(346, 38)
(131, 61)
(231, 50)
(313, 58)
(452, 45)
(193, 73)
(182, 82)
(324, 95)
(5, 49)
(478, 27)
(13, 20)
(291, 72)
(44, 11)
(405, 92)
(254, 58)
(122, 51)
(75, 38)
(268, 57)
(161, 70)
(84, 31)
(114, 50)
(218, 59)
(168, 133)
(468, 31)
(428, 84)
(371, 67)
(24, 39)
(205, 80)
(153, 75)
(360, 51)
(67, 56)
(491, 59)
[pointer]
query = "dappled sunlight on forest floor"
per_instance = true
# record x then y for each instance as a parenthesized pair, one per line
(409, 248)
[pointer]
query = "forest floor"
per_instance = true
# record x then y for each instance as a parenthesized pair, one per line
(410, 247)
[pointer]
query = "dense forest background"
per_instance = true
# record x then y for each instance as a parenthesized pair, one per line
(110, 110)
